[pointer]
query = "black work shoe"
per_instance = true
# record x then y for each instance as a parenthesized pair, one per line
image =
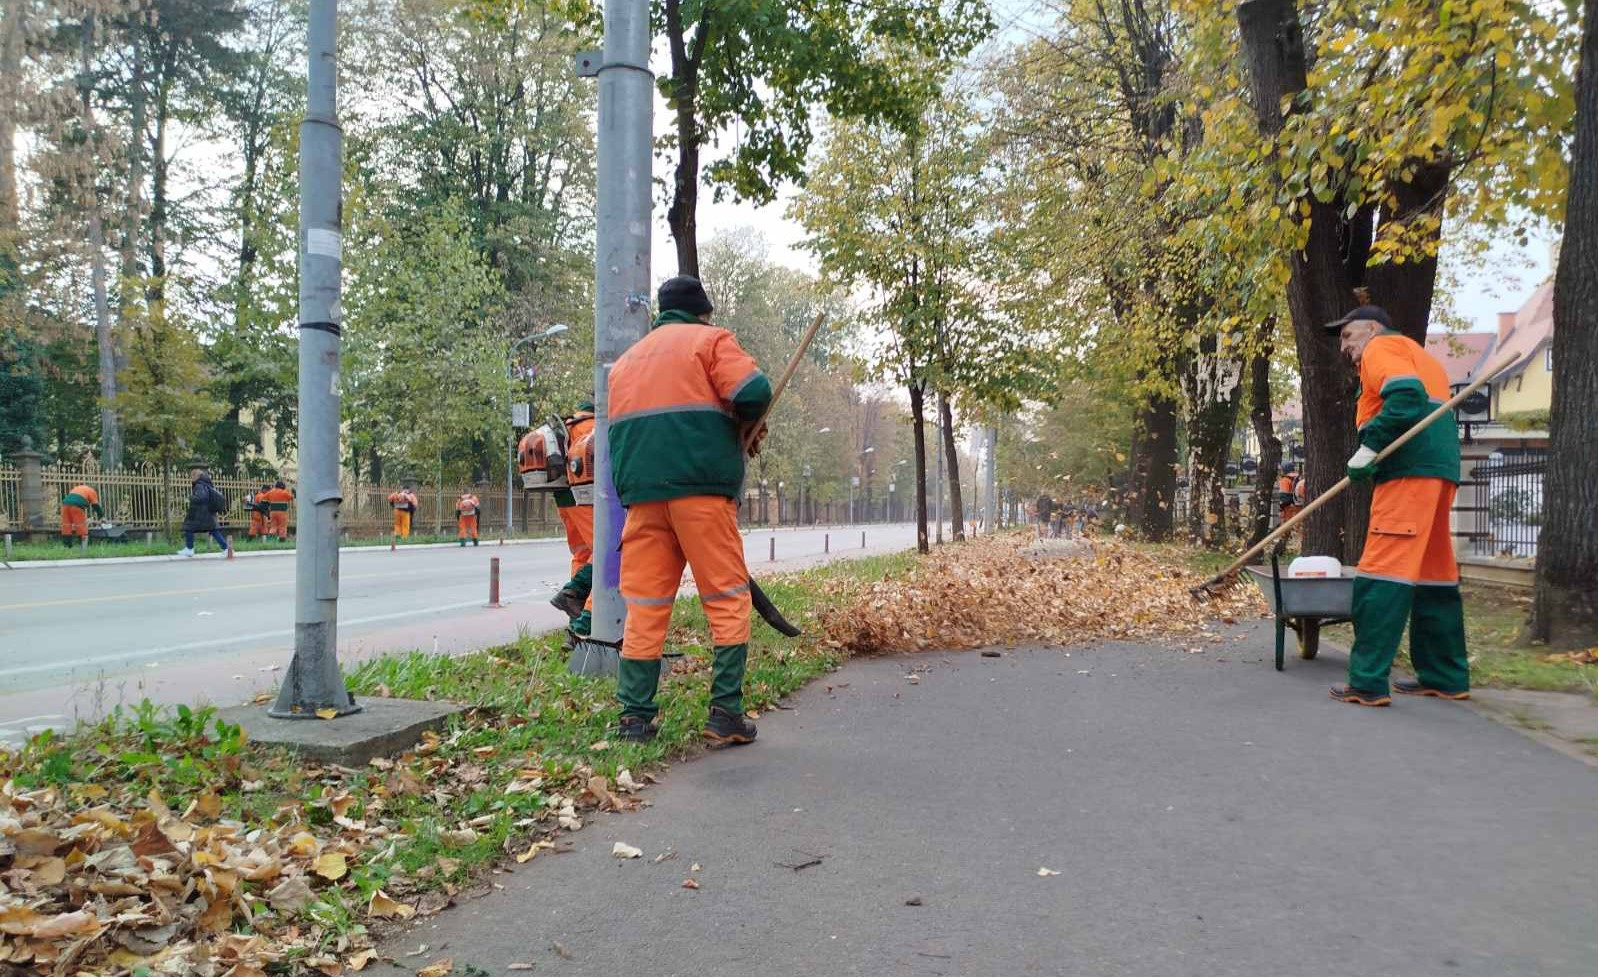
(569, 601)
(1409, 687)
(723, 727)
(636, 729)
(1349, 694)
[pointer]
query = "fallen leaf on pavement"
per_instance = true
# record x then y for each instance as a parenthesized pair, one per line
(1046, 871)
(442, 966)
(691, 885)
(327, 713)
(533, 850)
(291, 895)
(382, 905)
(331, 866)
(519, 966)
(560, 949)
(360, 959)
(622, 850)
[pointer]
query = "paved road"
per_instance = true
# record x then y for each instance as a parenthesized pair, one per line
(76, 640)
(1205, 814)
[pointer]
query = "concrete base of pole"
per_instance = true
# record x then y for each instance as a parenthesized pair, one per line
(383, 727)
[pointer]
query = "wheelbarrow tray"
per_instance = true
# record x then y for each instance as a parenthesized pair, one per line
(1308, 597)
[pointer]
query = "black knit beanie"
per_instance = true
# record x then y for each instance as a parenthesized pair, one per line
(686, 293)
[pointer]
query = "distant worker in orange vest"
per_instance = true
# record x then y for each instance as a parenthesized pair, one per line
(682, 401)
(575, 505)
(259, 509)
(75, 507)
(466, 510)
(1407, 573)
(404, 502)
(278, 499)
(1287, 503)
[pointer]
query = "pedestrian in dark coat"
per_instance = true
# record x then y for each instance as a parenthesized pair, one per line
(205, 502)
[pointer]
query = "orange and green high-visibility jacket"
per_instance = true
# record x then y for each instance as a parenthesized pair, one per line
(1401, 383)
(278, 500)
(677, 398)
(85, 498)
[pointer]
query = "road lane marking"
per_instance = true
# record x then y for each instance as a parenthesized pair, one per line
(179, 592)
(119, 657)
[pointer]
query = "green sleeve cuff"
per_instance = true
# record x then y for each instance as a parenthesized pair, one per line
(751, 396)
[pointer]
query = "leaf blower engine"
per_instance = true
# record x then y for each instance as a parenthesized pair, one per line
(542, 457)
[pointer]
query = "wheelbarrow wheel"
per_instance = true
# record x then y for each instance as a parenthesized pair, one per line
(1309, 638)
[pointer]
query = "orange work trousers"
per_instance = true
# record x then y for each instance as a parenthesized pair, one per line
(466, 526)
(657, 539)
(258, 523)
(402, 523)
(579, 523)
(280, 523)
(74, 521)
(1408, 540)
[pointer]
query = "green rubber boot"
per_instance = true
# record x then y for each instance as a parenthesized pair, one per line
(727, 677)
(636, 682)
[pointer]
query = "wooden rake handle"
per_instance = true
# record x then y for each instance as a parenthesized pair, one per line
(782, 382)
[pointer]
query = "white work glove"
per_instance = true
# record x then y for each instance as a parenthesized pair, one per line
(1362, 465)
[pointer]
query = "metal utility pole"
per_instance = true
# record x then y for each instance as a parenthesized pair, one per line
(993, 482)
(313, 682)
(621, 264)
(938, 481)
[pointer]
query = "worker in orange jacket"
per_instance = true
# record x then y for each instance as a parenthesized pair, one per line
(575, 504)
(1287, 503)
(404, 502)
(75, 507)
(259, 509)
(466, 510)
(278, 500)
(682, 400)
(1407, 573)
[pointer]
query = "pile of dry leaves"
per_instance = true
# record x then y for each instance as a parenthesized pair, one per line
(998, 591)
(96, 879)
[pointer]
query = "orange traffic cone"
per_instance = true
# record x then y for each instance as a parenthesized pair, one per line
(230, 547)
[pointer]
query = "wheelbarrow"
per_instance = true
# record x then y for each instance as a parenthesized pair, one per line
(1305, 604)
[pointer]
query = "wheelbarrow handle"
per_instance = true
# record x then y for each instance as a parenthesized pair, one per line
(1342, 484)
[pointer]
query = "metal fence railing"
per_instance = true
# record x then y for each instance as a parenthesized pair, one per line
(1499, 510)
(148, 498)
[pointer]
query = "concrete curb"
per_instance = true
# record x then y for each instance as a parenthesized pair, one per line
(172, 558)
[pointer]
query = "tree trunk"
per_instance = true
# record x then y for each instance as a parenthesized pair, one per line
(1318, 292)
(1271, 448)
(105, 339)
(1405, 290)
(957, 515)
(918, 393)
(1563, 612)
(686, 59)
(13, 27)
(156, 292)
(134, 204)
(1210, 395)
(1154, 468)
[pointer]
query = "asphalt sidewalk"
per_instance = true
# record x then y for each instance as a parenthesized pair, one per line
(1205, 814)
